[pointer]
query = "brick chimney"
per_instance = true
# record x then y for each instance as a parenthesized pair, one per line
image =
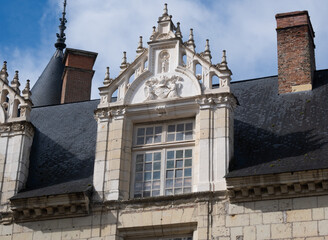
(77, 75)
(296, 62)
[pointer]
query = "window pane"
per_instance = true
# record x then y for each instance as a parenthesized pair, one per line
(157, 139)
(179, 154)
(138, 177)
(140, 158)
(178, 173)
(138, 187)
(155, 193)
(188, 136)
(149, 157)
(179, 164)
(156, 184)
(157, 156)
(147, 186)
(188, 153)
(170, 137)
(188, 126)
(140, 140)
(180, 127)
(169, 183)
(168, 192)
(170, 164)
(149, 131)
(141, 132)
(148, 166)
(146, 194)
(187, 190)
(178, 191)
(139, 167)
(169, 174)
(157, 166)
(147, 176)
(187, 172)
(158, 130)
(188, 162)
(157, 175)
(137, 195)
(149, 139)
(187, 182)
(178, 182)
(179, 136)
(170, 155)
(171, 128)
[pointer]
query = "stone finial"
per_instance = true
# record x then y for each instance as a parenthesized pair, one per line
(191, 42)
(140, 48)
(124, 64)
(165, 11)
(107, 79)
(178, 31)
(4, 73)
(207, 53)
(26, 92)
(152, 37)
(224, 58)
(15, 82)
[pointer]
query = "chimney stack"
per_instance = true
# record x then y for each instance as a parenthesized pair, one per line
(77, 76)
(296, 61)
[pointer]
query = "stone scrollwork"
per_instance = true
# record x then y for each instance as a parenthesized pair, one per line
(162, 88)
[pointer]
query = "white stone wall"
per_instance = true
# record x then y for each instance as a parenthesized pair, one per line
(298, 218)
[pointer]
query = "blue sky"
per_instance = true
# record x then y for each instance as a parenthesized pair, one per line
(246, 29)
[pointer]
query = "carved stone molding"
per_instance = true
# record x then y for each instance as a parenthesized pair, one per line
(162, 88)
(277, 186)
(17, 127)
(214, 101)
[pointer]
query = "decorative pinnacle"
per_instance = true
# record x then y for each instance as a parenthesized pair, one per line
(61, 36)
(4, 73)
(124, 63)
(165, 11)
(153, 33)
(140, 47)
(178, 31)
(107, 79)
(26, 92)
(207, 52)
(191, 42)
(15, 82)
(224, 58)
(191, 35)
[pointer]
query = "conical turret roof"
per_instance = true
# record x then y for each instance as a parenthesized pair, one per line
(47, 89)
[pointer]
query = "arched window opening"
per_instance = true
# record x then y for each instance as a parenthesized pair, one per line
(199, 73)
(184, 60)
(146, 64)
(4, 96)
(131, 79)
(215, 81)
(113, 98)
(15, 109)
(19, 111)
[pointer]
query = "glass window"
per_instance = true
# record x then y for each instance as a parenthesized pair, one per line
(165, 168)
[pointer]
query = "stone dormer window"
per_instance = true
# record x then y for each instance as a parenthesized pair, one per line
(162, 158)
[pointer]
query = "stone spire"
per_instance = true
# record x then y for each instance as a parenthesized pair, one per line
(26, 93)
(178, 31)
(165, 11)
(207, 53)
(15, 82)
(107, 79)
(61, 36)
(124, 63)
(140, 48)
(191, 42)
(224, 58)
(4, 73)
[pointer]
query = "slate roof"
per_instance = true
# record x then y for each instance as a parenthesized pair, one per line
(47, 89)
(280, 133)
(64, 143)
(273, 134)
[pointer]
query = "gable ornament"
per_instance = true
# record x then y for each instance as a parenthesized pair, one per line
(162, 88)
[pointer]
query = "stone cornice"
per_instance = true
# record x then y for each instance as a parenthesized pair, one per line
(277, 186)
(50, 207)
(22, 127)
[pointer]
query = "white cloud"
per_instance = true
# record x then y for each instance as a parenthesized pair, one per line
(245, 28)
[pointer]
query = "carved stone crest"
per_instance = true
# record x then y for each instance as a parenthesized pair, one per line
(164, 87)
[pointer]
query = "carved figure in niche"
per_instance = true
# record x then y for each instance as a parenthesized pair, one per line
(165, 87)
(164, 60)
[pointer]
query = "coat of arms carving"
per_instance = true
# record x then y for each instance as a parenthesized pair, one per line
(164, 87)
